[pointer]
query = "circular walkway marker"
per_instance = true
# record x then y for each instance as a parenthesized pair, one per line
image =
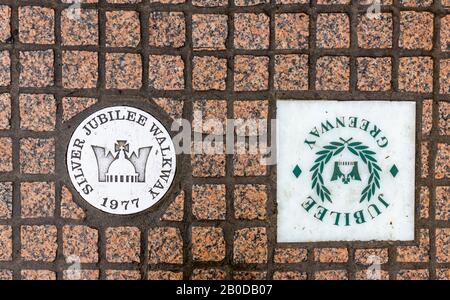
(121, 160)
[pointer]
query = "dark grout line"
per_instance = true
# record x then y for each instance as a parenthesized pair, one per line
(15, 126)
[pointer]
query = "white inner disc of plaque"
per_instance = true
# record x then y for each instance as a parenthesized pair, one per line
(121, 160)
(345, 170)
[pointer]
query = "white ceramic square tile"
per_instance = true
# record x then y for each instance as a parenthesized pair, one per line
(345, 170)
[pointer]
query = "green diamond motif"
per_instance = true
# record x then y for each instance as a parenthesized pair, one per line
(297, 171)
(394, 170)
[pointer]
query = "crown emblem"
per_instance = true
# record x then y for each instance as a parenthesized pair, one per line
(346, 170)
(121, 167)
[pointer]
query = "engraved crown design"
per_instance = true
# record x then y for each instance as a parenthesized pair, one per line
(121, 167)
(346, 176)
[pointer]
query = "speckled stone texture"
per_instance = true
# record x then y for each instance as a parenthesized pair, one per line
(5, 242)
(6, 275)
(38, 242)
(69, 209)
(333, 73)
(208, 165)
(251, 73)
(375, 32)
(445, 33)
(331, 255)
(123, 71)
(6, 189)
(167, 1)
(331, 2)
(122, 29)
(427, 119)
(250, 202)
(82, 31)
(5, 111)
(207, 61)
(290, 255)
(291, 1)
(289, 275)
(81, 275)
(165, 245)
(209, 31)
(37, 156)
(424, 159)
(123, 1)
(419, 253)
(249, 2)
(80, 242)
(331, 275)
(5, 27)
(165, 275)
(244, 275)
(122, 275)
(250, 119)
(443, 274)
(442, 163)
(333, 31)
(6, 154)
(368, 256)
(172, 107)
(36, 68)
(424, 200)
(175, 211)
(37, 112)
(443, 203)
(74, 105)
(208, 274)
(37, 199)
(250, 246)
(81, 1)
(420, 274)
(251, 31)
(214, 79)
(208, 244)
(374, 74)
(246, 163)
(208, 201)
(36, 25)
(291, 72)
(5, 67)
(416, 3)
(444, 76)
(416, 74)
(444, 118)
(443, 245)
(209, 116)
(368, 275)
(167, 29)
(80, 69)
(123, 244)
(416, 30)
(291, 31)
(166, 72)
(37, 275)
(249, 113)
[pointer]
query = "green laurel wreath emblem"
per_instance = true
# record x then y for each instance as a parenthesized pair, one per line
(333, 149)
